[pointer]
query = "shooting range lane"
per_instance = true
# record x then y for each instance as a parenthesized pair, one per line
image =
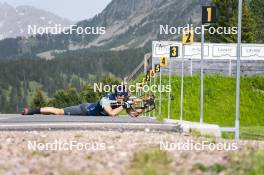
(91, 119)
(40, 122)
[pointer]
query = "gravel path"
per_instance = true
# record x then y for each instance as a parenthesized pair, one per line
(105, 152)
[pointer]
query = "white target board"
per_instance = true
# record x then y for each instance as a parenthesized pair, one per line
(211, 50)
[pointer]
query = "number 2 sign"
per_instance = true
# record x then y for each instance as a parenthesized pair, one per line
(187, 37)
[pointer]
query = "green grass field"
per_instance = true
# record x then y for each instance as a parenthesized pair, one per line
(219, 101)
(248, 133)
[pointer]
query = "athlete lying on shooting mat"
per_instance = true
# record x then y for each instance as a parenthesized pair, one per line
(110, 105)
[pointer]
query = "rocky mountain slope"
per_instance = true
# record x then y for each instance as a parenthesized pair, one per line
(133, 23)
(128, 23)
(14, 21)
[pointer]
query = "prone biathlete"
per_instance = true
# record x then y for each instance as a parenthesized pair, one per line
(111, 104)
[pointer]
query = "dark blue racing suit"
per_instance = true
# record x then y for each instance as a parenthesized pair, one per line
(92, 109)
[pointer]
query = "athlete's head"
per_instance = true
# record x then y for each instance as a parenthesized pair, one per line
(121, 92)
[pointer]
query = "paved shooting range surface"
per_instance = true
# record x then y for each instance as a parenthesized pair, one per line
(123, 123)
(40, 122)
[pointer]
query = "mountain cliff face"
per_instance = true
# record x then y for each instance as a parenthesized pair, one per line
(14, 21)
(128, 23)
(133, 23)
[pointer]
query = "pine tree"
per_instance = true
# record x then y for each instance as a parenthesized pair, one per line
(227, 17)
(64, 98)
(256, 7)
(88, 95)
(38, 100)
(249, 26)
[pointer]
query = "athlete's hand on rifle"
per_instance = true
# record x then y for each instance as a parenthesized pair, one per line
(137, 101)
(135, 106)
(150, 102)
(127, 105)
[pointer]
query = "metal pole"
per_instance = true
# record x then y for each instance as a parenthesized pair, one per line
(191, 67)
(230, 67)
(145, 63)
(238, 68)
(144, 95)
(202, 76)
(137, 92)
(182, 83)
(140, 93)
(150, 91)
(160, 93)
(154, 112)
(169, 95)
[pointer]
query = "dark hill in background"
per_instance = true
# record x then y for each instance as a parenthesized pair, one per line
(19, 79)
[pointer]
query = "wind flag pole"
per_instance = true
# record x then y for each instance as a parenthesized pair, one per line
(174, 53)
(187, 39)
(169, 95)
(238, 68)
(160, 81)
(163, 63)
(182, 83)
(208, 17)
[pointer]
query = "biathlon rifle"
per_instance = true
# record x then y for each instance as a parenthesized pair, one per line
(142, 104)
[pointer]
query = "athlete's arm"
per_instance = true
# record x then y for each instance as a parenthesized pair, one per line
(106, 105)
(113, 112)
(135, 113)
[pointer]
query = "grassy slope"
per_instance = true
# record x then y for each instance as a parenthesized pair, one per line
(248, 133)
(219, 99)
